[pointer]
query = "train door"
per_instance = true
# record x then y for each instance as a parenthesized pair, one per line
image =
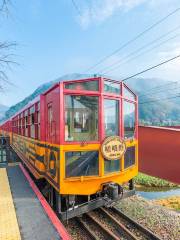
(50, 130)
(50, 139)
(52, 134)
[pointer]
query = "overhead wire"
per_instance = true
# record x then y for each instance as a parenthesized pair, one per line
(133, 39)
(158, 92)
(158, 87)
(139, 49)
(76, 7)
(161, 99)
(149, 50)
(150, 68)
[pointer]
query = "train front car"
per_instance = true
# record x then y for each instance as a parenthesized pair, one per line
(98, 144)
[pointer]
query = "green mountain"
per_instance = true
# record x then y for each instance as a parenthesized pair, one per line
(3, 109)
(158, 104)
(154, 112)
(42, 88)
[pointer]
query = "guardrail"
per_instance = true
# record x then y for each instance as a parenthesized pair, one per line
(159, 152)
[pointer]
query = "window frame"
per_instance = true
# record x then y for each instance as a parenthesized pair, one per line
(32, 116)
(102, 95)
(111, 93)
(135, 129)
(81, 81)
(50, 120)
(135, 102)
(119, 112)
(80, 150)
(81, 142)
(37, 121)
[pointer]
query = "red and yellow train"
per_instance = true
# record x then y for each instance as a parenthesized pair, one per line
(80, 141)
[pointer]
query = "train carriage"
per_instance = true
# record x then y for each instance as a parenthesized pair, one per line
(80, 141)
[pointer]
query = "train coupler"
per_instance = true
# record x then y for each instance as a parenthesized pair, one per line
(113, 191)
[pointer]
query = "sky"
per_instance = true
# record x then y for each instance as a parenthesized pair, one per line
(58, 37)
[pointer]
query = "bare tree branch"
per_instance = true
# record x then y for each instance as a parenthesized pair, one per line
(4, 6)
(6, 48)
(6, 61)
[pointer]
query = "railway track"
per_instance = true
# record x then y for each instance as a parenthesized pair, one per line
(112, 224)
(108, 224)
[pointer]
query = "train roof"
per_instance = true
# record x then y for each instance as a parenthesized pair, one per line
(36, 99)
(29, 104)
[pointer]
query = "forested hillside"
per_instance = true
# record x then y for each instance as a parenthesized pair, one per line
(151, 111)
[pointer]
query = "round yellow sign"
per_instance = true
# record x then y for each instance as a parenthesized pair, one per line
(113, 148)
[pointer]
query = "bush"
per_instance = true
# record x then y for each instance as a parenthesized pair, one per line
(149, 181)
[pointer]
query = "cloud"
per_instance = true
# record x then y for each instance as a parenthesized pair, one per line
(171, 70)
(97, 11)
(173, 50)
(100, 10)
(156, 4)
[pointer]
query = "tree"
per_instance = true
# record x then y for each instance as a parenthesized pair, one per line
(6, 57)
(4, 5)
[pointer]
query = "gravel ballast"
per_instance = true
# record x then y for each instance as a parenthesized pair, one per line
(160, 220)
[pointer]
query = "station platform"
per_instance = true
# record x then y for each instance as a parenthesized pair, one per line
(24, 212)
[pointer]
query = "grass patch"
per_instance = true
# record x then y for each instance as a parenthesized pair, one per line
(170, 202)
(149, 181)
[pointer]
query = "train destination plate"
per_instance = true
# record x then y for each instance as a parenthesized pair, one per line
(113, 148)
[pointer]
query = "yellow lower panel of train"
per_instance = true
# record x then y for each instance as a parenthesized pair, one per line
(76, 169)
(39, 156)
(121, 172)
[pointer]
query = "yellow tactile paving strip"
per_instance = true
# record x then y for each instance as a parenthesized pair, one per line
(9, 229)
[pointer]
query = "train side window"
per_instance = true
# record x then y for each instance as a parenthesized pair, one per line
(19, 130)
(32, 122)
(32, 127)
(23, 126)
(26, 126)
(111, 117)
(86, 85)
(129, 119)
(128, 94)
(38, 125)
(13, 125)
(50, 120)
(17, 124)
(37, 121)
(112, 87)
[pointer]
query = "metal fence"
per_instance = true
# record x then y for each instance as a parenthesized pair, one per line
(4, 150)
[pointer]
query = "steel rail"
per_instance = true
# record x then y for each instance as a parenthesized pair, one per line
(84, 225)
(121, 226)
(109, 234)
(141, 228)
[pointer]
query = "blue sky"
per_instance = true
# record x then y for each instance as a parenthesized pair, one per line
(55, 39)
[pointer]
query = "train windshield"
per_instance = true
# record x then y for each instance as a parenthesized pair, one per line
(81, 118)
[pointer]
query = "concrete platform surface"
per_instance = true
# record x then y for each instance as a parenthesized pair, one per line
(9, 229)
(33, 221)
